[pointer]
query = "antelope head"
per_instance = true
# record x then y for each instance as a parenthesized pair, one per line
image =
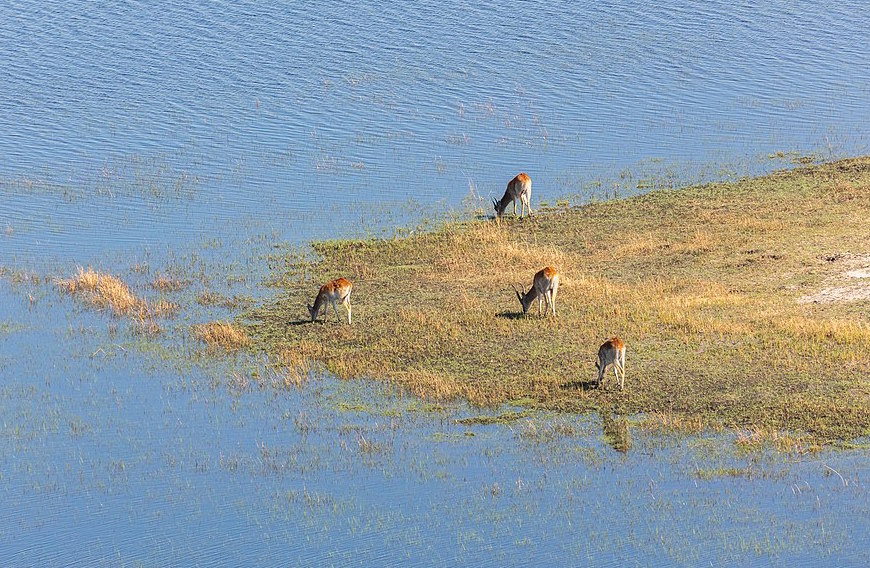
(498, 211)
(521, 295)
(312, 312)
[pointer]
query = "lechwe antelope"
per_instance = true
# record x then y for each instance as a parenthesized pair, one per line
(612, 352)
(337, 290)
(518, 188)
(544, 287)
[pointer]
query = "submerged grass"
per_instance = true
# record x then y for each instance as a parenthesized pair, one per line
(483, 420)
(223, 335)
(704, 284)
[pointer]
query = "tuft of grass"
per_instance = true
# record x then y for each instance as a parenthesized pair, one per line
(222, 335)
(108, 292)
(104, 291)
(704, 284)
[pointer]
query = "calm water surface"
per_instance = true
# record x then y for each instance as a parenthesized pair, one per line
(156, 120)
(152, 138)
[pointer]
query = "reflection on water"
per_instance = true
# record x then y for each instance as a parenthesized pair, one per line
(186, 140)
(616, 431)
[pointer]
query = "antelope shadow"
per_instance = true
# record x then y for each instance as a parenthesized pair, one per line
(510, 315)
(581, 385)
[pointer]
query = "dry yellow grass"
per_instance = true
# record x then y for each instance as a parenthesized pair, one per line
(669, 423)
(296, 369)
(703, 284)
(223, 335)
(758, 438)
(104, 291)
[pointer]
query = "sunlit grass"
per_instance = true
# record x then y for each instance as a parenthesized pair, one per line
(108, 292)
(702, 283)
(223, 335)
(104, 291)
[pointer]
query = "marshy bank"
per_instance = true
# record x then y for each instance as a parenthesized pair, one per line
(718, 291)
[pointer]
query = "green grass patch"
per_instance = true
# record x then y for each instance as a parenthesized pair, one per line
(707, 285)
(484, 420)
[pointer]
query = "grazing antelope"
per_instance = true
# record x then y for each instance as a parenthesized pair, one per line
(544, 287)
(612, 352)
(337, 290)
(518, 188)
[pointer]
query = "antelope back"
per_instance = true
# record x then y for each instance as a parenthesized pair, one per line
(546, 279)
(521, 184)
(609, 351)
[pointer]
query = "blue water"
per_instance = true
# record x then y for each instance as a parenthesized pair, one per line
(152, 138)
(161, 120)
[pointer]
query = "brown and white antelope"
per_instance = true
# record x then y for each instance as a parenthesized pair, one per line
(544, 287)
(612, 352)
(518, 188)
(337, 290)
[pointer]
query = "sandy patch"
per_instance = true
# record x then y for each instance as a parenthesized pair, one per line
(838, 294)
(843, 286)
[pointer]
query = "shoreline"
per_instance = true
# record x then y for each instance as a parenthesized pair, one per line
(742, 305)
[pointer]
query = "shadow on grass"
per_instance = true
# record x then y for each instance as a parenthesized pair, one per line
(510, 315)
(508, 218)
(580, 385)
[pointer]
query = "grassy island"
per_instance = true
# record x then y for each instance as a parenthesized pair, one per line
(743, 304)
